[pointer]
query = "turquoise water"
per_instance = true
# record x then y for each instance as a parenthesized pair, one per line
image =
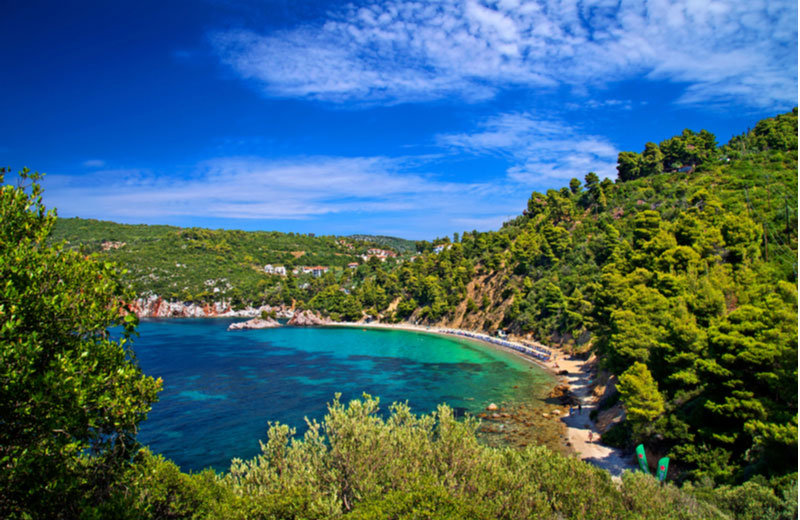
(221, 389)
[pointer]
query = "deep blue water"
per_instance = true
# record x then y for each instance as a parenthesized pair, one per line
(221, 389)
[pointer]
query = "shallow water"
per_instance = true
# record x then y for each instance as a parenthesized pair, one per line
(221, 389)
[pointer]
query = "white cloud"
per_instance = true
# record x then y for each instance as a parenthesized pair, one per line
(94, 163)
(395, 51)
(541, 150)
(360, 189)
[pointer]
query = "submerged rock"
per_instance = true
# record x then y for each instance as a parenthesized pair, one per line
(255, 323)
(492, 407)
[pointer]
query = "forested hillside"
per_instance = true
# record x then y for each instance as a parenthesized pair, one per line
(195, 264)
(681, 276)
(399, 244)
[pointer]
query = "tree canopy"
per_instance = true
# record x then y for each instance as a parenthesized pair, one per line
(71, 396)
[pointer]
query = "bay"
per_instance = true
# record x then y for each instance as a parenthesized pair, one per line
(222, 389)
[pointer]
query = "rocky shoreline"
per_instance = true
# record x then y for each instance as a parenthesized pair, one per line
(308, 319)
(255, 323)
(157, 307)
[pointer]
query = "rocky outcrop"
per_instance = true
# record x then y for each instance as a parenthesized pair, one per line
(563, 393)
(307, 318)
(605, 385)
(255, 323)
(157, 307)
(111, 245)
(608, 418)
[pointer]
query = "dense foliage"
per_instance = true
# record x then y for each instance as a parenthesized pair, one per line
(70, 397)
(201, 264)
(398, 244)
(354, 464)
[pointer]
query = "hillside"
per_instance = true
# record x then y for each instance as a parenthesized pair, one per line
(194, 264)
(681, 276)
(398, 244)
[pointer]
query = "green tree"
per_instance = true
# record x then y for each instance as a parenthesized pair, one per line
(777, 133)
(71, 397)
(629, 166)
(639, 392)
(675, 153)
(652, 159)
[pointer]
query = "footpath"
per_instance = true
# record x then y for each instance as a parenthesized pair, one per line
(580, 427)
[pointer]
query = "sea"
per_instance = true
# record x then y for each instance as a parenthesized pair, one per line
(221, 389)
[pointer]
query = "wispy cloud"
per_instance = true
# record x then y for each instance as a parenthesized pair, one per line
(619, 104)
(396, 51)
(540, 149)
(360, 189)
(94, 163)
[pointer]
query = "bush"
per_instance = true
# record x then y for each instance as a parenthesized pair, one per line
(428, 502)
(619, 435)
(431, 466)
(750, 501)
(646, 498)
(156, 488)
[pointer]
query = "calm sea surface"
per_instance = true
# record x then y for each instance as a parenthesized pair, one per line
(221, 389)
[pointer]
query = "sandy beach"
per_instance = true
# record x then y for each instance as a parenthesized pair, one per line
(578, 425)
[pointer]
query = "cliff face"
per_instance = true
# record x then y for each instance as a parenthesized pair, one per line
(157, 307)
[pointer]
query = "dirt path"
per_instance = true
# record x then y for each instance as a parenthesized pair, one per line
(579, 426)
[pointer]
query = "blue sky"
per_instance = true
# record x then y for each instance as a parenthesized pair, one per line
(413, 119)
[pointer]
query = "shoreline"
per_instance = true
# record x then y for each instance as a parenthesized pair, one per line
(451, 332)
(578, 378)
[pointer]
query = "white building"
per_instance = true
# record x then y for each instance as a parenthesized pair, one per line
(275, 269)
(318, 271)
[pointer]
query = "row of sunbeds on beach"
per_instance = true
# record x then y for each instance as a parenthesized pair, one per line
(534, 351)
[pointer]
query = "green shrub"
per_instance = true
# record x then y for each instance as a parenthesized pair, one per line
(427, 502)
(750, 501)
(71, 397)
(646, 498)
(154, 487)
(619, 435)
